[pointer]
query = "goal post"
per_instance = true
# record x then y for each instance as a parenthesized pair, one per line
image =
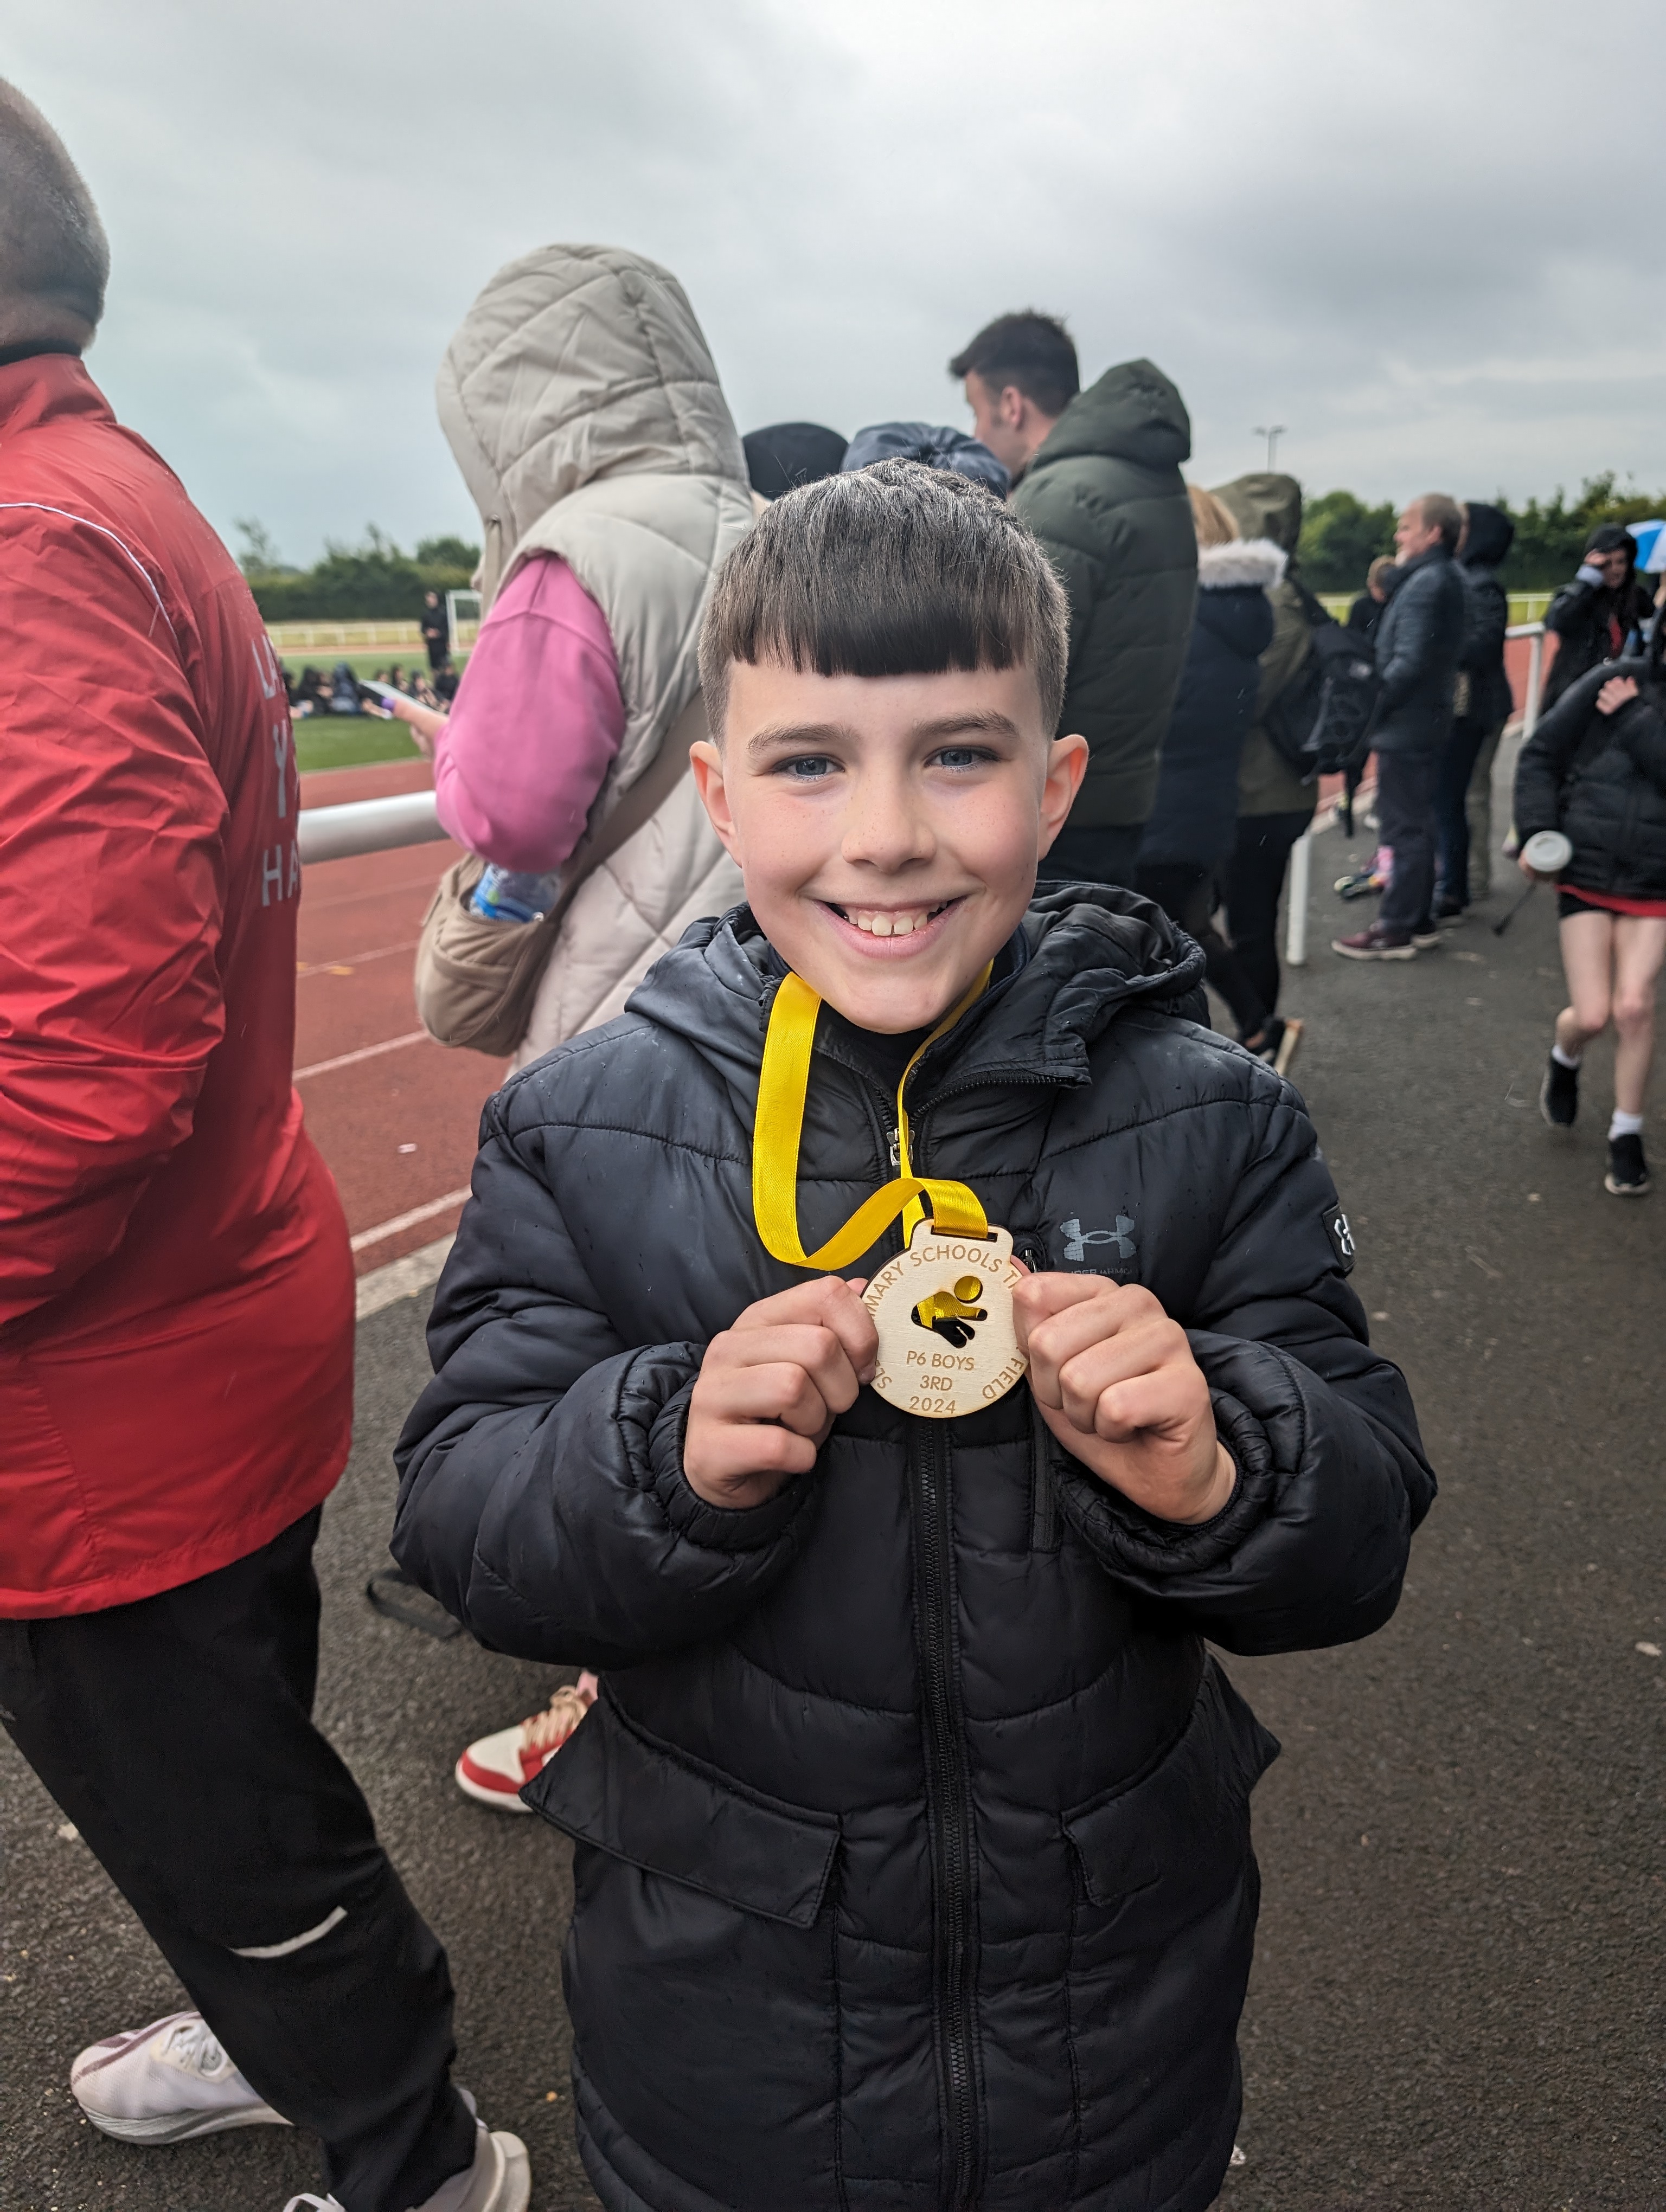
(462, 612)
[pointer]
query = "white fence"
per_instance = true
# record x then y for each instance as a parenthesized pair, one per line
(297, 637)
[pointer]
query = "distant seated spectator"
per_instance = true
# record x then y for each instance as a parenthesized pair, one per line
(343, 690)
(1367, 609)
(446, 682)
(312, 693)
(788, 454)
(936, 445)
(1593, 617)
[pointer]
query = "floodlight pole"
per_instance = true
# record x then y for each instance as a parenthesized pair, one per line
(1272, 432)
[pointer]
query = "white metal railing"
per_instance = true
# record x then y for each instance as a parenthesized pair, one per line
(368, 825)
(1301, 852)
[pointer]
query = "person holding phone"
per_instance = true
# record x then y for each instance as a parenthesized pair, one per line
(1595, 769)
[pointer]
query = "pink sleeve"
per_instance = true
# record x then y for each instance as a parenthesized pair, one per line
(536, 724)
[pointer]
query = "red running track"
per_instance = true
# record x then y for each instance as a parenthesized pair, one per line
(398, 1126)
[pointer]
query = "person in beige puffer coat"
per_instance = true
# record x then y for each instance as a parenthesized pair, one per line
(582, 402)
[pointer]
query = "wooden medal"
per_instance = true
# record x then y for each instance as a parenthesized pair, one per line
(944, 1312)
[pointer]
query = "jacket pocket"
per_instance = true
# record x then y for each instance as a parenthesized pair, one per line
(635, 1799)
(1166, 1846)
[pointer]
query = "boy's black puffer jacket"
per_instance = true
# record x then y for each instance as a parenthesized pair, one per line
(913, 1864)
(1600, 780)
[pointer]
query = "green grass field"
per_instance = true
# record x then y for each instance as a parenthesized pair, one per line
(350, 740)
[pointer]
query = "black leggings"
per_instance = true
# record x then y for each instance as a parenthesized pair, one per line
(1186, 894)
(1255, 885)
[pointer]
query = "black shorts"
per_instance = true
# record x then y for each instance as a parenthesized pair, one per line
(1569, 902)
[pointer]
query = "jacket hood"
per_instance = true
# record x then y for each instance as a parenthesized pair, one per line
(935, 444)
(1245, 561)
(1132, 412)
(1265, 505)
(1490, 537)
(1093, 951)
(578, 363)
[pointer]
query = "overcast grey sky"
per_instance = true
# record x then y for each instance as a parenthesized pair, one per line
(1427, 237)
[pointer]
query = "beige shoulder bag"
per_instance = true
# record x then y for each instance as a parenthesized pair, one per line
(476, 980)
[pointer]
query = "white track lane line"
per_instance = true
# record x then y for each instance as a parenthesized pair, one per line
(408, 1220)
(364, 1052)
(402, 1278)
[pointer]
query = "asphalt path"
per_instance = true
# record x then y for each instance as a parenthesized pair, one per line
(1456, 2001)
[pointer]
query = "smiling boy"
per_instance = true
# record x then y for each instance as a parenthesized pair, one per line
(913, 1863)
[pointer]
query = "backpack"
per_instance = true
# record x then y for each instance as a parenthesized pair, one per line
(1320, 723)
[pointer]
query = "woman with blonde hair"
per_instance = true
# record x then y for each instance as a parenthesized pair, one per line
(1193, 824)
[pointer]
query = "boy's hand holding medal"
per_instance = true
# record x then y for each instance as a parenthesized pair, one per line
(1117, 1385)
(769, 1387)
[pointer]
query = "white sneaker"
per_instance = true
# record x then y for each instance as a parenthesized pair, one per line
(500, 2180)
(166, 2084)
(495, 1769)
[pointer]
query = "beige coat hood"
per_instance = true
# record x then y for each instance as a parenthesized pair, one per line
(583, 407)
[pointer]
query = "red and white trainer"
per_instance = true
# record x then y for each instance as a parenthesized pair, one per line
(495, 1769)
(166, 2084)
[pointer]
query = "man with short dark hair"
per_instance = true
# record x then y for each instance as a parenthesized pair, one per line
(176, 1294)
(1420, 641)
(1097, 477)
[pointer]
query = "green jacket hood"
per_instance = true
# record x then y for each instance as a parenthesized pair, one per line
(1132, 412)
(1265, 505)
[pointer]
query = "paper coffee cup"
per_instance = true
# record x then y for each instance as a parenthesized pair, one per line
(1547, 852)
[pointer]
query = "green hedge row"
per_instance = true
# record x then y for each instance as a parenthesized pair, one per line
(374, 581)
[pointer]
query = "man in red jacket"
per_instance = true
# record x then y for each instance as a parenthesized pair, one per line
(176, 1292)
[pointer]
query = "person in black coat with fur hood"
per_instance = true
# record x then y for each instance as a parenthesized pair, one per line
(1595, 769)
(1194, 819)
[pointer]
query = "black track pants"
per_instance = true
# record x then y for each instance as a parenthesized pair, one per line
(1254, 882)
(1187, 895)
(177, 1734)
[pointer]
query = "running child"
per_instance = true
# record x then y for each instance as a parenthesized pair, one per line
(1595, 769)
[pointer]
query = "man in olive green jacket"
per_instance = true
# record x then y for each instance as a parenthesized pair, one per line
(1097, 477)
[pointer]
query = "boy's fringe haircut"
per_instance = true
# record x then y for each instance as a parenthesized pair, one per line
(892, 570)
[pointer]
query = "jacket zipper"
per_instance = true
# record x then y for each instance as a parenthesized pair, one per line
(948, 1814)
(948, 1804)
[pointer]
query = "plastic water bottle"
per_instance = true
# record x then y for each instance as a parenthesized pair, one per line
(513, 895)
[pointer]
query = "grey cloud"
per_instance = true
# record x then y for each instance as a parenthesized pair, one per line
(1403, 231)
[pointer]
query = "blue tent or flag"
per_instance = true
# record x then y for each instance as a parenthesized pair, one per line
(1650, 545)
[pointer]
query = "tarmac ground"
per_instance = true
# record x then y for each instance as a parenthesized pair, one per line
(1458, 2003)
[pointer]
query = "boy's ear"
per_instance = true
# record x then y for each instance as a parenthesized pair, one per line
(1066, 764)
(706, 766)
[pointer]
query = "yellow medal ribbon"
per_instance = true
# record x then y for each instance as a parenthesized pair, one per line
(783, 1086)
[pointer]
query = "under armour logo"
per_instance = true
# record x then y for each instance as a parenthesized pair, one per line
(1077, 1239)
